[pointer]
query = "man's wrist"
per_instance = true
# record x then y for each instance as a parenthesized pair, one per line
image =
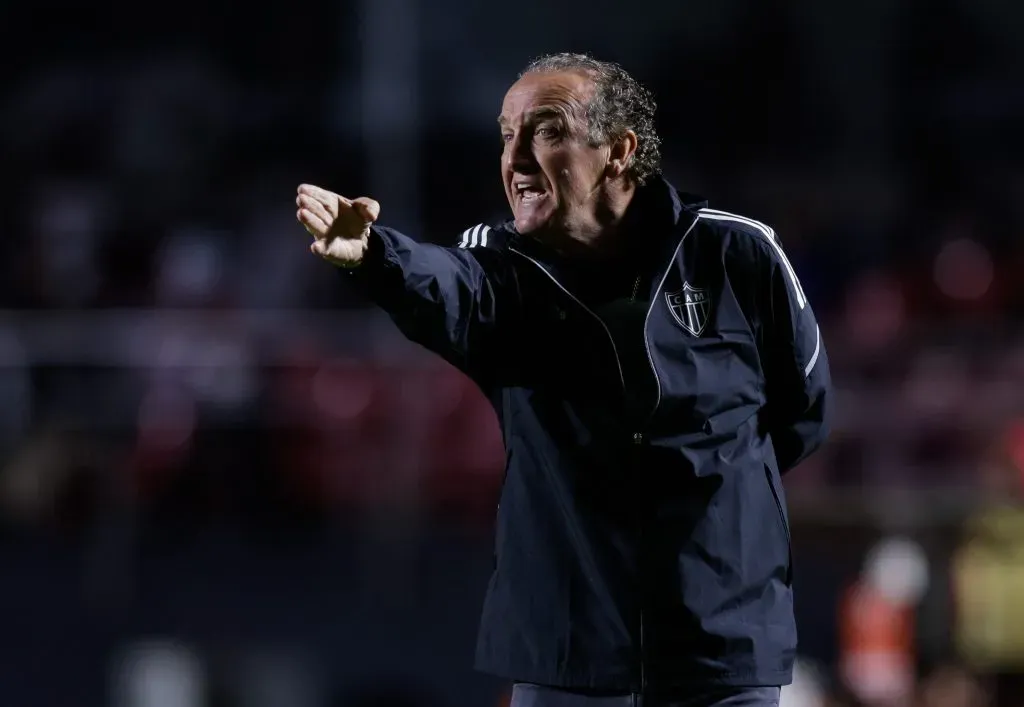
(373, 254)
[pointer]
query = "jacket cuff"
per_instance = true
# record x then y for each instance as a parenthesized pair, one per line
(379, 254)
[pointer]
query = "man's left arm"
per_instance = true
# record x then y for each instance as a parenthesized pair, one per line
(799, 385)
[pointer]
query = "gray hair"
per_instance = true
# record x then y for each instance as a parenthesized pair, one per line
(619, 104)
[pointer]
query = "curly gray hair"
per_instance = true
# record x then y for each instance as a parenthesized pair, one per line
(619, 104)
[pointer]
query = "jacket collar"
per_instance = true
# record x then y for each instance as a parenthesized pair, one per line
(659, 213)
(685, 210)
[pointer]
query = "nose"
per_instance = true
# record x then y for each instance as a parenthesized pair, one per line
(520, 155)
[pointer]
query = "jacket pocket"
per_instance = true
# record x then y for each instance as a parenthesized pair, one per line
(782, 521)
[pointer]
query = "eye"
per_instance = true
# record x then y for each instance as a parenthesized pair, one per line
(547, 131)
(506, 137)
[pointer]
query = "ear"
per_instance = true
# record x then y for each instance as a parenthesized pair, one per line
(621, 154)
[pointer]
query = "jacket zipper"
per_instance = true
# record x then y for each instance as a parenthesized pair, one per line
(638, 437)
(615, 349)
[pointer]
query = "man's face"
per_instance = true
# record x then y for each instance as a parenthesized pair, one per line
(553, 177)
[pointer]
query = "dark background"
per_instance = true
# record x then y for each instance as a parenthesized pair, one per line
(226, 480)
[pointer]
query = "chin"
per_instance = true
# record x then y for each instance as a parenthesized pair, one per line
(534, 223)
(526, 225)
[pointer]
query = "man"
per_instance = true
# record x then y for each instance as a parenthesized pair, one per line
(655, 368)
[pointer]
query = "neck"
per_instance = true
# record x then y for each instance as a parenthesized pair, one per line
(605, 235)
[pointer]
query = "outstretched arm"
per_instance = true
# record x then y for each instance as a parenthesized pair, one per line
(446, 299)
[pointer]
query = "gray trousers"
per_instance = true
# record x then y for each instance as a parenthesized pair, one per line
(527, 695)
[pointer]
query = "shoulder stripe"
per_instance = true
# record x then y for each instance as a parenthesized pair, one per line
(474, 237)
(817, 351)
(469, 237)
(769, 235)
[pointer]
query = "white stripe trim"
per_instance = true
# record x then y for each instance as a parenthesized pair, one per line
(474, 237)
(817, 351)
(769, 234)
(760, 225)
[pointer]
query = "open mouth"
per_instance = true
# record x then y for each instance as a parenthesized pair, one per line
(528, 193)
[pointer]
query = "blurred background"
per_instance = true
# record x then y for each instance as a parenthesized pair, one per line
(227, 480)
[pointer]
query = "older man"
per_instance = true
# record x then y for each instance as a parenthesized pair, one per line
(655, 368)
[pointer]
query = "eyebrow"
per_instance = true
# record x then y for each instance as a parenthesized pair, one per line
(540, 113)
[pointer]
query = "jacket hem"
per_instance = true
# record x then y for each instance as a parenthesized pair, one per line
(598, 680)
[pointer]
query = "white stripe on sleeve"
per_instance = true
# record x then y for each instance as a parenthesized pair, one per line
(817, 350)
(769, 235)
(475, 237)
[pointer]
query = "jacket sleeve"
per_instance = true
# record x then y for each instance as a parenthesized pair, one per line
(799, 386)
(446, 299)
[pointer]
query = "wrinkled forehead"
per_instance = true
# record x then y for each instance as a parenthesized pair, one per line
(536, 95)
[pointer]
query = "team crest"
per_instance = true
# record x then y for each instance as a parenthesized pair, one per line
(691, 307)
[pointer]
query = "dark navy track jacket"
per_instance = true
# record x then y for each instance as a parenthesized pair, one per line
(649, 405)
